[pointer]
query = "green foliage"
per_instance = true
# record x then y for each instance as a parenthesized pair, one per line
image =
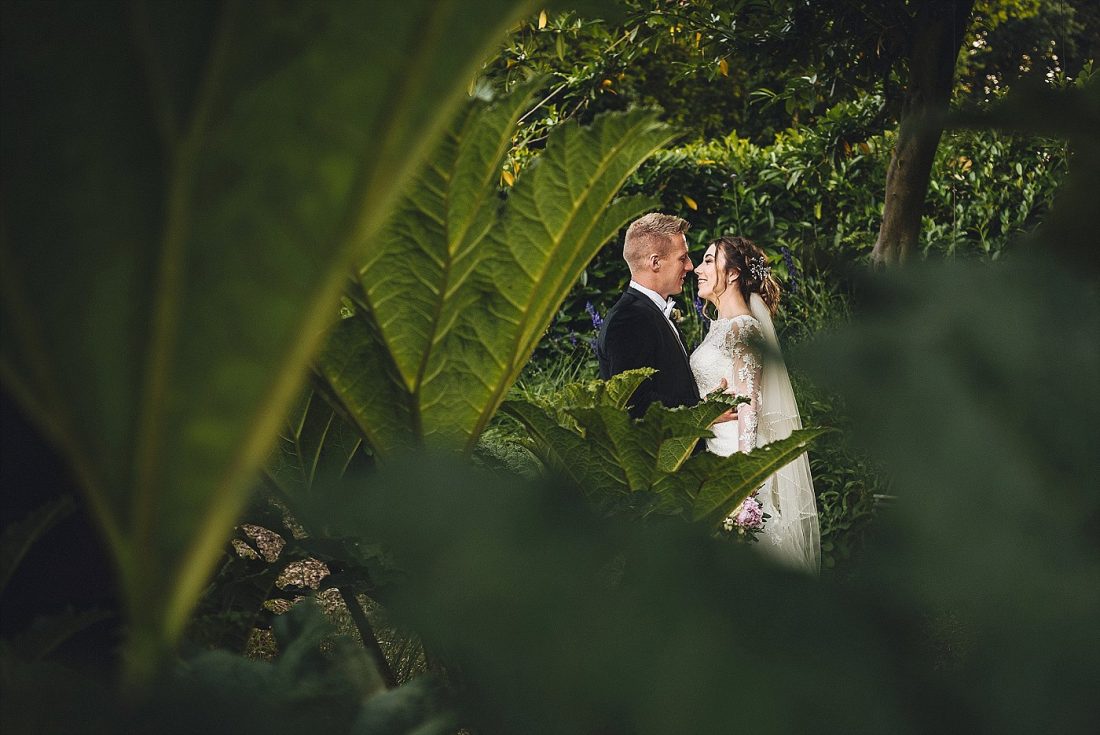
(46, 632)
(850, 487)
(725, 399)
(812, 305)
(640, 629)
(233, 603)
(19, 536)
(817, 191)
(1004, 502)
(1011, 40)
(848, 484)
(645, 466)
(460, 287)
(316, 447)
(605, 60)
(304, 688)
(182, 198)
(643, 629)
(615, 393)
(1071, 114)
(762, 67)
(991, 539)
(541, 378)
(185, 188)
(414, 359)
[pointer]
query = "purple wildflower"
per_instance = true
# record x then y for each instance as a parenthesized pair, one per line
(597, 320)
(698, 306)
(792, 271)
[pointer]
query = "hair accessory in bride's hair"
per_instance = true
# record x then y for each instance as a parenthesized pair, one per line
(759, 268)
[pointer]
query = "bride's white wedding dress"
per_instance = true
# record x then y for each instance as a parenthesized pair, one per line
(745, 352)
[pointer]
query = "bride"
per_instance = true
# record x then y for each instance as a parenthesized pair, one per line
(741, 348)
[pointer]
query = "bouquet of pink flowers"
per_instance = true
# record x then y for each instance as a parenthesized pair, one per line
(747, 519)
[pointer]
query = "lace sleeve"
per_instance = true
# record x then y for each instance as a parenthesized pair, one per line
(743, 344)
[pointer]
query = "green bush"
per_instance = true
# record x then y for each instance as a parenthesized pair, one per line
(818, 193)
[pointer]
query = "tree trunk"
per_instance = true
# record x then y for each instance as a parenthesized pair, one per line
(938, 31)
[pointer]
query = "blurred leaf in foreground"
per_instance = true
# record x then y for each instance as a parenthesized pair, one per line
(977, 387)
(319, 681)
(645, 629)
(185, 186)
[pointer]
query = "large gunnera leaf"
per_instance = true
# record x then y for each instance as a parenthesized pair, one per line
(460, 287)
(316, 447)
(185, 188)
(648, 465)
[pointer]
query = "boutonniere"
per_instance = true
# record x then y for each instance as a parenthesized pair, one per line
(676, 315)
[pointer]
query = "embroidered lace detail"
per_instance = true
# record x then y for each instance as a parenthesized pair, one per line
(732, 350)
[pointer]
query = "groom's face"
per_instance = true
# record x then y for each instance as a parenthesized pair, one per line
(675, 266)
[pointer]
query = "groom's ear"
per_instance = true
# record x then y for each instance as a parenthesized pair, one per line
(655, 261)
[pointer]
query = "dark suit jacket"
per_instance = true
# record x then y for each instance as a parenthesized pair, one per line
(636, 334)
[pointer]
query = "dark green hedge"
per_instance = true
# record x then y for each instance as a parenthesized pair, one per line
(817, 192)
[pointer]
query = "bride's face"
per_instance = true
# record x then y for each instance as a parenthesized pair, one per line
(711, 274)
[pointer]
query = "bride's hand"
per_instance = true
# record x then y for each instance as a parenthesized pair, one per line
(730, 415)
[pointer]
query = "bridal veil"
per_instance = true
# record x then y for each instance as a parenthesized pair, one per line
(792, 535)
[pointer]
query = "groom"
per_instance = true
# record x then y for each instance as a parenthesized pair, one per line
(638, 331)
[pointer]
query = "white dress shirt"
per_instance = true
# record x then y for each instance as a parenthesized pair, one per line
(662, 304)
(665, 307)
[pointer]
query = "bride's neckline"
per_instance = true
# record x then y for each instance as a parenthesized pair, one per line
(732, 318)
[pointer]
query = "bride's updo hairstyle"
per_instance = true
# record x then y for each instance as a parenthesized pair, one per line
(749, 260)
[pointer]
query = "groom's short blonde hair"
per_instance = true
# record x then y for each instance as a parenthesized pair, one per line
(649, 234)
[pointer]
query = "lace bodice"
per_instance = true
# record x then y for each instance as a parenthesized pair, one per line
(732, 350)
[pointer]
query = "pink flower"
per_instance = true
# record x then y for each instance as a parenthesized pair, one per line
(748, 516)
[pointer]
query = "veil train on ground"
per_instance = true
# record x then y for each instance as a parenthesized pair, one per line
(795, 536)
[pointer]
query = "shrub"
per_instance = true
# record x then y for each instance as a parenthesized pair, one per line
(817, 192)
